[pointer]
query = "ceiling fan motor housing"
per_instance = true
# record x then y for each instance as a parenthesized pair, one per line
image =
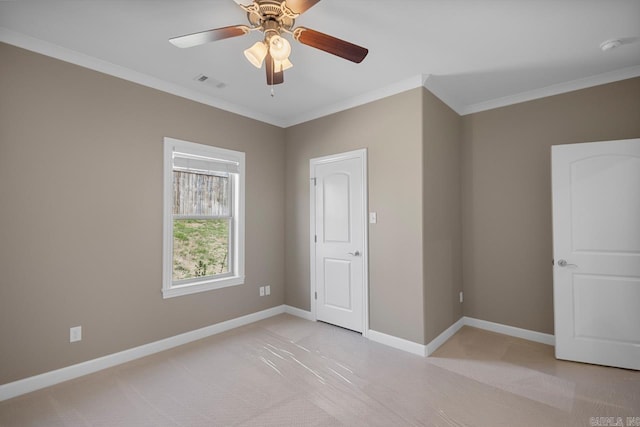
(271, 15)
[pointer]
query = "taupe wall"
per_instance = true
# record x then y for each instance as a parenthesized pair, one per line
(391, 131)
(81, 213)
(81, 208)
(506, 205)
(442, 226)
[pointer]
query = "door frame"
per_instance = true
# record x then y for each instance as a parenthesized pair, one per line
(360, 154)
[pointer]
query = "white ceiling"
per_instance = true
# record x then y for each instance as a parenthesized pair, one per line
(477, 54)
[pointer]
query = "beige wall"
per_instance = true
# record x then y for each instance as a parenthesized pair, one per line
(506, 205)
(81, 204)
(442, 226)
(81, 213)
(390, 129)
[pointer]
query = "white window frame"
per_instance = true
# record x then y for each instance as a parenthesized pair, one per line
(236, 236)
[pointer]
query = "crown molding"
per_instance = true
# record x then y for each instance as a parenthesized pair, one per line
(68, 55)
(430, 82)
(58, 52)
(427, 81)
(557, 89)
(365, 98)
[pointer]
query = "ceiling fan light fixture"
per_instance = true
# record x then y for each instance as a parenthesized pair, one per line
(279, 48)
(256, 54)
(280, 66)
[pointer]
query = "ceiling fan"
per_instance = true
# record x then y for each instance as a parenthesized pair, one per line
(275, 18)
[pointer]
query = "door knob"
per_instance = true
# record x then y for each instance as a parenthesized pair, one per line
(564, 263)
(356, 253)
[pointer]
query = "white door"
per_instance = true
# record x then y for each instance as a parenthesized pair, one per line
(596, 239)
(338, 239)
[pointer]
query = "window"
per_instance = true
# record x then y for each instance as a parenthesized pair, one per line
(203, 218)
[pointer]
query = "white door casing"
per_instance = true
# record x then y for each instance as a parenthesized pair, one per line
(596, 238)
(339, 254)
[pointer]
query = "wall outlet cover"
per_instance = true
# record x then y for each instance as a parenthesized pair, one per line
(75, 334)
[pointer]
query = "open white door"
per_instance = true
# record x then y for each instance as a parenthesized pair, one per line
(338, 239)
(596, 239)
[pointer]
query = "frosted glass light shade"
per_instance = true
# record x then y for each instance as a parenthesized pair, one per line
(279, 66)
(256, 54)
(279, 48)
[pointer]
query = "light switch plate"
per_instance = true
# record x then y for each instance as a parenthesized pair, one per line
(373, 217)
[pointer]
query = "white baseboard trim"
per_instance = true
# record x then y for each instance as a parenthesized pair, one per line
(27, 385)
(511, 331)
(444, 336)
(399, 343)
(427, 350)
(298, 312)
(37, 382)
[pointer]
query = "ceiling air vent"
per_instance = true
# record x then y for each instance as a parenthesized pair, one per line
(210, 81)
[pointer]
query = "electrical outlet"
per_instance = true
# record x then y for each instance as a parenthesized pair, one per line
(267, 290)
(75, 334)
(461, 297)
(261, 291)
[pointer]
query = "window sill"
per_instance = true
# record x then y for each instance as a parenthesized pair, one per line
(207, 285)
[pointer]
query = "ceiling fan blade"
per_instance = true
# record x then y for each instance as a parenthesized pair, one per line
(273, 78)
(330, 44)
(203, 37)
(300, 6)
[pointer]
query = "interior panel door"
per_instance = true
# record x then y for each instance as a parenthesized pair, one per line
(339, 241)
(596, 234)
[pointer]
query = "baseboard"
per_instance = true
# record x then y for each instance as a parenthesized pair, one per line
(298, 312)
(37, 382)
(427, 350)
(399, 343)
(27, 385)
(444, 336)
(511, 331)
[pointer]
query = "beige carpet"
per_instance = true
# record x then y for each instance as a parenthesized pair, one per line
(285, 371)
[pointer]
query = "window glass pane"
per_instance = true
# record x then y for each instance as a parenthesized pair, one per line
(200, 247)
(200, 194)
